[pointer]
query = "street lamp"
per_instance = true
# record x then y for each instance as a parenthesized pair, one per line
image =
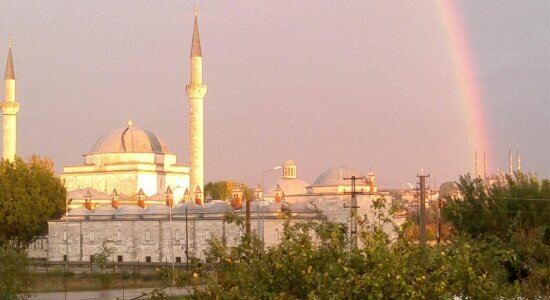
(170, 203)
(262, 197)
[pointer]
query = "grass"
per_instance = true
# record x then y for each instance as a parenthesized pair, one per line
(54, 281)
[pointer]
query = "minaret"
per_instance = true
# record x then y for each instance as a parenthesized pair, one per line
(9, 109)
(518, 160)
(196, 91)
(510, 162)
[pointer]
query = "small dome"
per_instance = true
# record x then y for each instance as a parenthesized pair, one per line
(104, 210)
(129, 139)
(217, 206)
(336, 175)
(80, 211)
(191, 208)
(129, 210)
(157, 209)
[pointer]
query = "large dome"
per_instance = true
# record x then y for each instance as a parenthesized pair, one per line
(336, 175)
(129, 139)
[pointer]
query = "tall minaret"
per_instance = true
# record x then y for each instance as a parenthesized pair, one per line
(196, 91)
(9, 109)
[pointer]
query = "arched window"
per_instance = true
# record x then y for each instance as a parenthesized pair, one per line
(65, 235)
(91, 236)
(147, 235)
(118, 235)
(178, 235)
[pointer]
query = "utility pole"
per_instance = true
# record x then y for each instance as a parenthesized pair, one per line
(247, 218)
(439, 205)
(422, 220)
(353, 218)
(186, 241)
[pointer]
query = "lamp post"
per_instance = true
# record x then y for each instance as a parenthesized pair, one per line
(262, 197)
(170, 203)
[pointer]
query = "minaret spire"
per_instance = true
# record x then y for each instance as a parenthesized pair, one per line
(10, 72)
(196, 91)
(196, 42)
(510, 161)
(9, 108)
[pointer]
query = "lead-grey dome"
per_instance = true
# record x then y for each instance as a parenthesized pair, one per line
(336, 175)
(129, 139)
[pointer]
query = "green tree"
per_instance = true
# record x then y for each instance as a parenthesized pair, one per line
(221, 190)
(512, 217)
(30, 195)
(315, 260)
(14, 277)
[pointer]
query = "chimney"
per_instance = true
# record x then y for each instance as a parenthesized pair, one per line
(88, 200)
(186, 196)
(141, 198)
(169, 197)
(278, 194)
(237, 194)
(198, 194)
(114, 199)
(258, 192)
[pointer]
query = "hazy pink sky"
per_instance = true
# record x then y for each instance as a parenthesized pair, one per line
(364, 84)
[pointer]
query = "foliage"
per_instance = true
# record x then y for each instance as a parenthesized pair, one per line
(316, 260)
(221, 190)
(15, 280)
(30, 195)
(511, 216)
(101, 259)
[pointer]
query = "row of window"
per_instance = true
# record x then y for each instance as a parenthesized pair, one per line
(120, 258)
(177, 237)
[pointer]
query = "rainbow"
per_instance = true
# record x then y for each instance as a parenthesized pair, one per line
(465, 75)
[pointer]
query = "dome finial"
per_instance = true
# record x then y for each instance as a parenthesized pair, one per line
(9, 41)
(196, 10)
(130, 123)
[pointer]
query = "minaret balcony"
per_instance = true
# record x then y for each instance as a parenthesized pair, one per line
(9, 108)
(196, 90)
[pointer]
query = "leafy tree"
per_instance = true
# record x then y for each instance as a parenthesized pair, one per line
(513, 217)
(222, 190)
(14, 278)
(315, 260)
(101, 259)
(30, 195)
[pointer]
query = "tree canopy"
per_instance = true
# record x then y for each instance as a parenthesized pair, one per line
(513, 216)
(30, 195)
(221, 190)
(316, 260)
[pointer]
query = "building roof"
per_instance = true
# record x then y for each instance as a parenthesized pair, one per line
(129, 139)
(336, 175)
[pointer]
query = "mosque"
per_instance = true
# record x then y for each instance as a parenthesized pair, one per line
(131, 192)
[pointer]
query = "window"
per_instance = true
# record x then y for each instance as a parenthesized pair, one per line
(118, 235)
(119, 258)
(208, 234)
(65, 235)
(178, 235)
(147, 258)
(147, 236)
(178, 259)
(92, 258)
(64, 257)
(277, 235)
(91, 236)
